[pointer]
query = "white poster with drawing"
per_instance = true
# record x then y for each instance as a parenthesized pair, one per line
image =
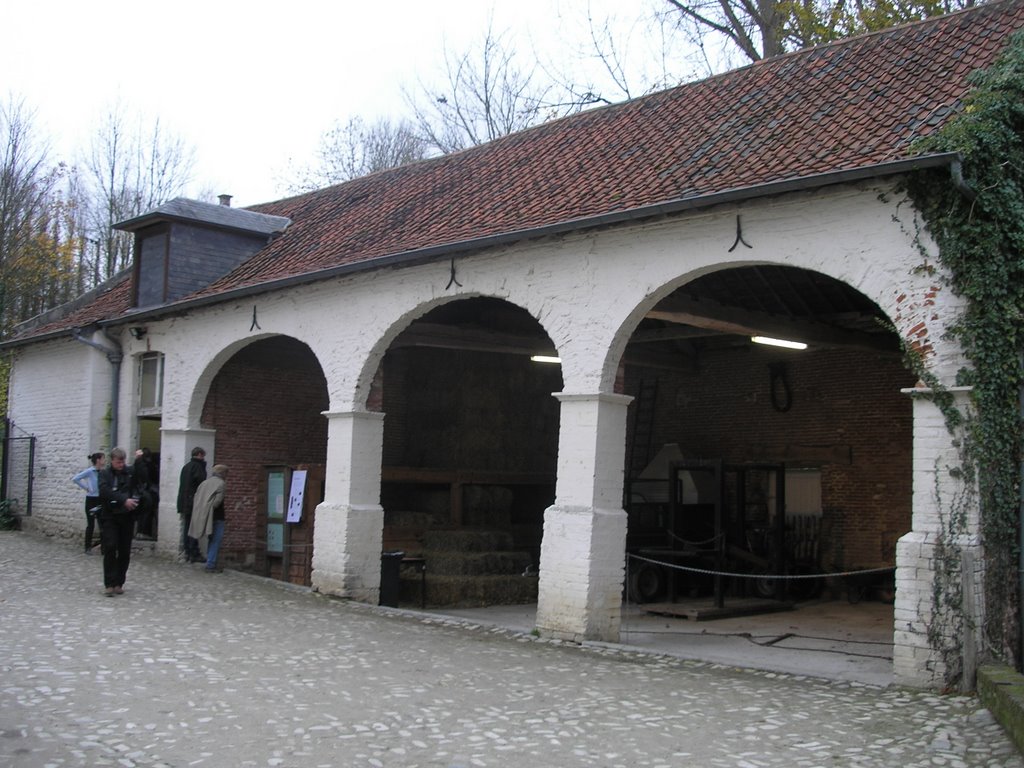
(295, 496)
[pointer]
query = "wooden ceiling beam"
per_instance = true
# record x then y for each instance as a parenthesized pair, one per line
(440, 336)
(712, 316)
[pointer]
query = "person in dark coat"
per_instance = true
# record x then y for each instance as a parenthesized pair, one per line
(119, 498)
(144, 470)
(192, 474)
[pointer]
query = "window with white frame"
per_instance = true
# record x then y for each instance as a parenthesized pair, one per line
(151, 384)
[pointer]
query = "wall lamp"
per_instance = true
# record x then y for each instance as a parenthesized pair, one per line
(545, 359)
(137, 331)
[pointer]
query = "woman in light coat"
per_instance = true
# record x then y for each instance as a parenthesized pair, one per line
(207, 523)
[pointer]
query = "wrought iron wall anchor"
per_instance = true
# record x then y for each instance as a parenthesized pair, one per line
(739, 236)
(452, 279)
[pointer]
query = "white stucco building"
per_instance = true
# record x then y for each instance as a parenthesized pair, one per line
(378, 333)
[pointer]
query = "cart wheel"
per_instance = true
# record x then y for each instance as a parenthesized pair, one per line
(646, 583)
(764, 587)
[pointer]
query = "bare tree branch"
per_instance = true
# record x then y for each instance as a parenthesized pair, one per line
(357, 149)
(485, 94)
(131, 169)
(765, 28)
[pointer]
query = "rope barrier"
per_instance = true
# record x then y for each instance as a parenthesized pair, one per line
(712, 540)
(761, 575)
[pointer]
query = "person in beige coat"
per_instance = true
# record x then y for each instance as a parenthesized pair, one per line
(207, 524)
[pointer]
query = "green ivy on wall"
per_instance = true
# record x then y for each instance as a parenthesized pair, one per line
(981, 246)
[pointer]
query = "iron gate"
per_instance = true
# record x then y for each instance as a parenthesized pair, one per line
(19, 454)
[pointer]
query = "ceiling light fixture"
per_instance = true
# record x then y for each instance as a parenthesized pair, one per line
(778, 342)
(545, 359)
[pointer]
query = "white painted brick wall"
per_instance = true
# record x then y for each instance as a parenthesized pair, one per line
(59, 392)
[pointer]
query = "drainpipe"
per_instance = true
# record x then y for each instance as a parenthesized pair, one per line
(114, 356)
(956, 171)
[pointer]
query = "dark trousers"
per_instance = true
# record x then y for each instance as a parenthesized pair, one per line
(188, 546)
(116, 532)
(146, 517)
(90, 519)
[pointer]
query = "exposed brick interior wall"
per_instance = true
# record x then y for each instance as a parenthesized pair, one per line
(266, 404)
(493, 413)
(447, 409)
(846, 410)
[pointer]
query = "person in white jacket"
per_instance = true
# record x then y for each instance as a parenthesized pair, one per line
(208, 515)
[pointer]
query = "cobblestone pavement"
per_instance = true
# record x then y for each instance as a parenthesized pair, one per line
(195, 669)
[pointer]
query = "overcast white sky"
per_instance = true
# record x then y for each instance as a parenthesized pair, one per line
(252, 85)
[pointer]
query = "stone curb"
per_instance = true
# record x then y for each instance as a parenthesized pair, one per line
(1001, 690)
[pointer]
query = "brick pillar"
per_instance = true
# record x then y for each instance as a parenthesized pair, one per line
(349, 528)
(583, 552)
(938, 492)
(175, 452)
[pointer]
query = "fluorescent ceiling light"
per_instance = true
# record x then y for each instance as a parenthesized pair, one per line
(778, 342)
(545, 359)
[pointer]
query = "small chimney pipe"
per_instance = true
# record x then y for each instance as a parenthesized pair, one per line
(225, 200)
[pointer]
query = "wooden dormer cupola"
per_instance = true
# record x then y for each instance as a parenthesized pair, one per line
(185, 245)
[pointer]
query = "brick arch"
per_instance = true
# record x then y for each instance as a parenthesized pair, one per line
(264, 406)
(849, 420)
(916, 309)
(366, 391)
(201, 388)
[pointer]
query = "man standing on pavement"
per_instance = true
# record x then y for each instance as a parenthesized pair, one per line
(208, 515)
(119, 498)
(192, 474)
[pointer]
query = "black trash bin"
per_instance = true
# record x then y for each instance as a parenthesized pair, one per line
(390, 578)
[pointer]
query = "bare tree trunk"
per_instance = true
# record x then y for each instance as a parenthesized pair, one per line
(131, 171)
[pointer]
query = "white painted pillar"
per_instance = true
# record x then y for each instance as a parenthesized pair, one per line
(583, 552)
(945, 535)
(175, 452)
(349, 529)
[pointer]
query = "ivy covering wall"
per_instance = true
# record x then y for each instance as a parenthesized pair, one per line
(980, 235)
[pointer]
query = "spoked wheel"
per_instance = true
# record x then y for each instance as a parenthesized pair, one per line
(647, 583)
(764, 587)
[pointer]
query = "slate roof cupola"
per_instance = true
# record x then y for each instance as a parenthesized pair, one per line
(185, 245)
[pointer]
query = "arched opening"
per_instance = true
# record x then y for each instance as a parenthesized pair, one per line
(469, 453)
(265, 406)
(755, 459)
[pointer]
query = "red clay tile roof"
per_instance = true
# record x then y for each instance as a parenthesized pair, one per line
(843, 106)
(112, 300)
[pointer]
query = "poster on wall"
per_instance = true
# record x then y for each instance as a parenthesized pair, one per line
(275, 538)
(275, 495)
(295, 497)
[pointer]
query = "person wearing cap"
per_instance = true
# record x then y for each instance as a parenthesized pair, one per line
(192, 474)
(208, 515)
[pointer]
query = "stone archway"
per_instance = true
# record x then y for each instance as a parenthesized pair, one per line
(469, 451)
(263, 410)
(831, 419)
